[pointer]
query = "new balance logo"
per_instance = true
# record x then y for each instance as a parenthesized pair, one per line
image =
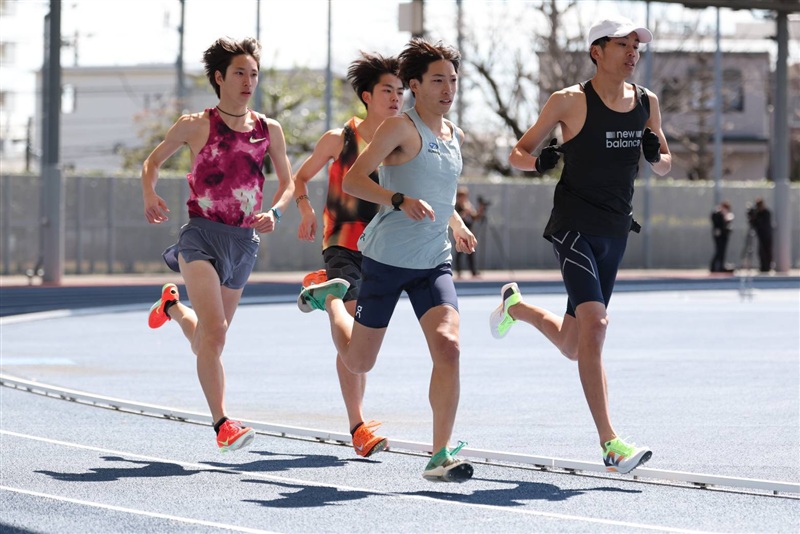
(623, 139)
(253, 140)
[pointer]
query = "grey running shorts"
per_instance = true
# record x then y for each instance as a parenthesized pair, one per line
(232, 250)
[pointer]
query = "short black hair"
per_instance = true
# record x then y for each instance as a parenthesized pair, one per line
(219, 55)
(601, 42)
(365, 72)
(419, 53)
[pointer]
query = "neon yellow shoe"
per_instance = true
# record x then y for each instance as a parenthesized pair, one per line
(624, 457)
(500, 322)
(443, 467)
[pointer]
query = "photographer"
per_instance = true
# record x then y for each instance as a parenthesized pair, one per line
(760, 219)
(721, 220)
(469, 215)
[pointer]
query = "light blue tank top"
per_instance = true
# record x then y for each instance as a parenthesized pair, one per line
(432, 175)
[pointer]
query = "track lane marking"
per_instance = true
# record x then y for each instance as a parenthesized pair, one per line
(536, 513)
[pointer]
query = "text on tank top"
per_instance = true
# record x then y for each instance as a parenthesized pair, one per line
(431, 175)
(595, 193)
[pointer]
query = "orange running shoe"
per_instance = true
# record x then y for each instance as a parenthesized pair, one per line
(365, 442)
(233, 435)
(158, 316)
(317, 277)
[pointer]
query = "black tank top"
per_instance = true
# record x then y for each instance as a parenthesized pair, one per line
(595, 193)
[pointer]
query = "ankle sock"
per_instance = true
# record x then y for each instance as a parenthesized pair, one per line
(219, 424)
(353, 432)
(168, 305)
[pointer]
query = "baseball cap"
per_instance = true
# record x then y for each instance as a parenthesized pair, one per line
(617, 27)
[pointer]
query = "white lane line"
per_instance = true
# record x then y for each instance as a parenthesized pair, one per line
(439, 502)
(136, 512)
(99, 401)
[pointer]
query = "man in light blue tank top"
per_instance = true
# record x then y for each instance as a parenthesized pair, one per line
(406, 246)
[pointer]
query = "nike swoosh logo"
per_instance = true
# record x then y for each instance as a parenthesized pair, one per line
(257, 140)
(359, 448)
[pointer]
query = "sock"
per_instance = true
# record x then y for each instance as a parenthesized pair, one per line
(168, 305)
(219, 424)
(353, 432)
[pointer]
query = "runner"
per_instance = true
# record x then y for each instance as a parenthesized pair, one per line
(606, 124)
(216, 250)
(375, 81)
(406, 246)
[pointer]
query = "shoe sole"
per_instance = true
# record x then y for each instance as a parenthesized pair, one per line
(240, 443)
(327, 287)
(161, 319)
(381, 446)
(459, 473)
(645, 457)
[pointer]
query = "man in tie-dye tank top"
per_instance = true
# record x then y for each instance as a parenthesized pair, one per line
(216, 250)
(375, 81)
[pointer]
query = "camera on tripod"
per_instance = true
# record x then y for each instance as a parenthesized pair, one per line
(751, 214)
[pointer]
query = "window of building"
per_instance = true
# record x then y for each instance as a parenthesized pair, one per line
(732, 90)
(68, 99)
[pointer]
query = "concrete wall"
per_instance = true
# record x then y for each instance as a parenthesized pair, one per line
(105, 230)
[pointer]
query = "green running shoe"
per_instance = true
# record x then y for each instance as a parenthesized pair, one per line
(624, 457)
(500, 322)
(313, 297)
(443, 467)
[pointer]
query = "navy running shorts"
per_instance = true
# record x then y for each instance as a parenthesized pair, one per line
(344, 263)
(589, 266)
(382, 285)
(232, 250)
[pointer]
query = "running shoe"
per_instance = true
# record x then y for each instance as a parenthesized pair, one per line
(313, 297)
(365, 442)
(233, 435)
(317, 277)
(622, 457)
(500, 322)
(158, 315)
(443, 467)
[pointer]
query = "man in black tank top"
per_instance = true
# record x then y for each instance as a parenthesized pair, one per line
(606, 125)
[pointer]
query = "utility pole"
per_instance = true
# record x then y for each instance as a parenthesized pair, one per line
(257, 103)
(460, 45)
(181, 104)
(52, 202)
(328, 75)
(780, 150)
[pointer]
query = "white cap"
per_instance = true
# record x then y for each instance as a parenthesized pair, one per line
(617, 27)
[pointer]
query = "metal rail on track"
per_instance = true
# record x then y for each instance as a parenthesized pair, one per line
(493, 457)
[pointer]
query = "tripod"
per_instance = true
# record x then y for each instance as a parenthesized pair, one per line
(746, 265)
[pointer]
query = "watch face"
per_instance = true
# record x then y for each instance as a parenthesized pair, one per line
(397, 199)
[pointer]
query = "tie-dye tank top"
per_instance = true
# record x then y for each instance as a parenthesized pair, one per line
(226, 183)
(346, 216)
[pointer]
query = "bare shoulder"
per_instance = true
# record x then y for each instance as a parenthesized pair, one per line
(189, 126)
(568, 95)
(193, 120)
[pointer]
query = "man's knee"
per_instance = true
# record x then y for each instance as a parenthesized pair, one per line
(210, 337)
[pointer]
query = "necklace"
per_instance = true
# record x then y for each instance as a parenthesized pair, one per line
(246, 111)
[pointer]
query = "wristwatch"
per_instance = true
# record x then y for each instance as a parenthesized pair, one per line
(397, 200)
(277, 213)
